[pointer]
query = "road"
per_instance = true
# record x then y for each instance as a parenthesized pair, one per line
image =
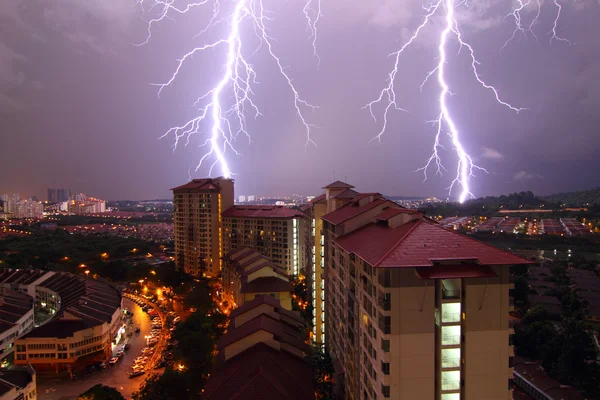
(115, 376)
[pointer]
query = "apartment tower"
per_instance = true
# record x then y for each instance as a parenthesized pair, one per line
(277, 232)
(412, 310)
(198, 224)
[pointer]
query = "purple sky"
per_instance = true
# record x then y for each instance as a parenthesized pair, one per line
(77, 109)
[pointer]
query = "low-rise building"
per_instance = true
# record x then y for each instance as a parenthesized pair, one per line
(531, 378)
(18, 384)
(16, 319)
(248, 274)
(84, 320)
(263, 355)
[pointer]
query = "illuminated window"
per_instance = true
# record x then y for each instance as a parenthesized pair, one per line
(450, 358)
(450, 380)
(450, 312)
(450, 335)
(451, 396)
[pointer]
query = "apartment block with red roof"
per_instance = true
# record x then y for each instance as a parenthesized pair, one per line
(412, 310)
(198, 224)
(277, 232)
(339, 194)
(248, 274)
(263, 355)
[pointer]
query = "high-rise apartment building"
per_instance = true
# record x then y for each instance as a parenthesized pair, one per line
(52, 196)
(275, 231)
(198, 224)
(339, 193)
(58, 195)
(411, 310)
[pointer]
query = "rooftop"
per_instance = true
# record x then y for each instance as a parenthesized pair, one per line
(261, 372)
(268, 284)
(262, 212)
(338, 185)
(353, 208)
(420, 243)
(201, 184)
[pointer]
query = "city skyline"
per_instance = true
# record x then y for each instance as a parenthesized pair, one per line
(89, 118)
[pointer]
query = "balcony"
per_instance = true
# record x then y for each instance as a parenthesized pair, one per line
(450, 385)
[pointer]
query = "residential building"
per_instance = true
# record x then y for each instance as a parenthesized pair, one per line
(339, 193)
(248, 274)
(52, 196)
(278, 232)
(16, 319)
(530, 378)
(84, 324)
(262, 355)
(413, 310)
(86, 206)
(18, 384)
(198, 225)
(242, 199)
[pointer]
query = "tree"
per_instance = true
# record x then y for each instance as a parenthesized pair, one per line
(322, 374)
(101, 392)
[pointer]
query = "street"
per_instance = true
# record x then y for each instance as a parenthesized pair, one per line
(116, 376)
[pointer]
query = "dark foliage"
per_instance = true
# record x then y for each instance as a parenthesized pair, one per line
(101, 392)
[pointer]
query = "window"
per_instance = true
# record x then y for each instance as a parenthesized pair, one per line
(385, 368)
(385, 391)
(385, 345)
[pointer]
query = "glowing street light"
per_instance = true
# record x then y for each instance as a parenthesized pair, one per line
(87, 273)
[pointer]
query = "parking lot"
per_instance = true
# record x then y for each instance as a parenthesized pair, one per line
(115, 376)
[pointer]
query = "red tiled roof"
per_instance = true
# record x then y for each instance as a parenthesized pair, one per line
(267, 284)
(261, 372)
(392, 212)
(262, 212)
(283, 331)
(276, 268)
(338, 185)
(419, 243)
(455, 271)
(204, 184)
(265, 299)
(346, 194)
(352, 210)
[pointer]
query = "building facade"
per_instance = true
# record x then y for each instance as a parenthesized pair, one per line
(275, 231)
(84, 323)
(247, 274)
(18, 384)
(16, 319)
(412, 310)
(198, 224)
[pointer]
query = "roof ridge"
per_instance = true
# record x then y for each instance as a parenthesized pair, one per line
(417, 223)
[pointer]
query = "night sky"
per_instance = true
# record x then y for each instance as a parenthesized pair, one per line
(77, 108)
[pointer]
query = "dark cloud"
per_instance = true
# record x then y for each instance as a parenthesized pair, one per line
(77, 108)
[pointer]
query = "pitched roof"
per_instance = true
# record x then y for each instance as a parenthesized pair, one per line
(201, 184)
(392, 212)
(338, 185)
(262, 212)
(266, 299)
(281, 329)
(345, 194)
(317, 199)
(352, 210)
(419, 243)
(267, 284)
(261, 372)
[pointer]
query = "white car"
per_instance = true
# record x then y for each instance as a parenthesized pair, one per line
(113, 361)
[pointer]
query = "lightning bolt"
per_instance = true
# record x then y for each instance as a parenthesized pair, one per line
(516, 14)
(465, 167)
(238, 78)
(312, 21)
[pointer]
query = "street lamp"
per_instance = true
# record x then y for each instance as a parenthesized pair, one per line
(87, 273)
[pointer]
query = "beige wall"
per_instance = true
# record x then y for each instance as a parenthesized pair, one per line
(253, 313)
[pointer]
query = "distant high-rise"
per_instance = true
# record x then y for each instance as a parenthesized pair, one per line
(242, 199)
(198, 225)
(58, 195)
(52, 196)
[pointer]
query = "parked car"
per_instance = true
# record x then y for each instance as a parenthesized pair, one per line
(113, 361)
(135, 373)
